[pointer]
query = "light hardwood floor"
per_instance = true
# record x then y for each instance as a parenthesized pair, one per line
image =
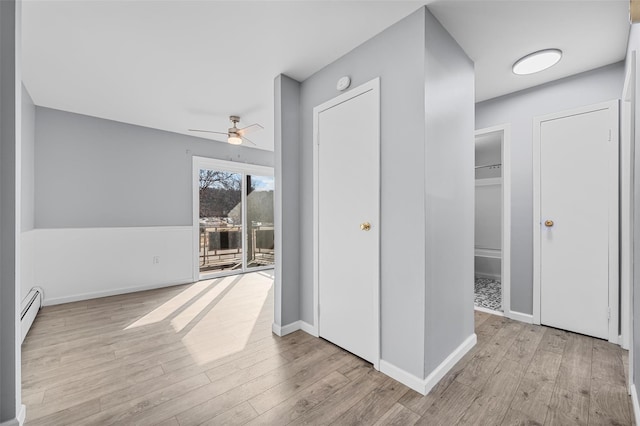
(204, 354)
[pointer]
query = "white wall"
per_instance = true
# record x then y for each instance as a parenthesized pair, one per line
(84, 263)
(518, 109)
(109, 197)
(634, 46)
(27, 221)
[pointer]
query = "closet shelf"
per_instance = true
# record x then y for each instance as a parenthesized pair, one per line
(496, 166)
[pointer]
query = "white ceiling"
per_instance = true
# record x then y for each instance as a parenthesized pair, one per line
(175, 65)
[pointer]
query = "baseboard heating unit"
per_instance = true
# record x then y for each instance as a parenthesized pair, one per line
(31, 304)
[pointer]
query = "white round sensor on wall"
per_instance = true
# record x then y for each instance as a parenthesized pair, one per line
(343, 83)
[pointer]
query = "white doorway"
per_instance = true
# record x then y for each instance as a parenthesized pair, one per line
(492, 257)
(576, 220)
(346, 220)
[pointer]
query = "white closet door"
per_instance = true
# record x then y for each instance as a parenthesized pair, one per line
(576, 162)
(348, 201)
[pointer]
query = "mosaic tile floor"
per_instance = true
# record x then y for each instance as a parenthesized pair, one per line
(488, 294)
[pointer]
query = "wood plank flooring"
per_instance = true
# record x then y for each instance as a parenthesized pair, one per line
(204, 354)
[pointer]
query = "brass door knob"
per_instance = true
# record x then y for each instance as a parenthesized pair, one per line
(365, 226)
(548, 223)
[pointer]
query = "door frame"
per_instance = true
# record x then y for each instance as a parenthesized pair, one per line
(613, 108)
(627, 209)
(235, 167)
(505, 262)
(374, 86)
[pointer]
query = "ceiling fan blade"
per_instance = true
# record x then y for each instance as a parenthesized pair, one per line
(249, 129)
(248, 140)
(208, 131)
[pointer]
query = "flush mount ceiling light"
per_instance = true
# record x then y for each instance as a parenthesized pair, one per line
(537, 61)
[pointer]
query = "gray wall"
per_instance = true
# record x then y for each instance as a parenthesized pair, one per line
(426, 84)
(519, 109)
(450, 185)
(10, 98)
(287, 200)
(397, 57)
(92, 172)
(27, 216)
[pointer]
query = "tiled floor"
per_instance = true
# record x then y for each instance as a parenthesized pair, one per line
(488, 294)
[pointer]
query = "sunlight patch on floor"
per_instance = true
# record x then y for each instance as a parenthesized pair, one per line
(199, 305)
(206, 341)
(163, 311)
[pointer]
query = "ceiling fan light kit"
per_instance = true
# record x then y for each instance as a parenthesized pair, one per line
(234, 135)
(537, 61)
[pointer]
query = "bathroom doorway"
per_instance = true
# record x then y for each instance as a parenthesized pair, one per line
(492, 220)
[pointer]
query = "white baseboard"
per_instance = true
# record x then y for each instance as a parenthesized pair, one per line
(488, 311)
(114, 292)
(22, 415)
(519, 316)
(294, 326)
(276, 329)
(487, 276)
(82, 263)
(423, 386)
(636, 405)
(404, 377)
(308, 328)
(438, 373)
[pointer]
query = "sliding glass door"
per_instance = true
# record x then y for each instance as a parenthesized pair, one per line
(260, 235)
(233, 215)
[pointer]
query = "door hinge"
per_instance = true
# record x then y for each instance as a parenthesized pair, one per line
(318, 311)
(608, 313)
(609, 135)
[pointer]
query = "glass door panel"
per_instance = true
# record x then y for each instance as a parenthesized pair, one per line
(220, 244)
(260, 235)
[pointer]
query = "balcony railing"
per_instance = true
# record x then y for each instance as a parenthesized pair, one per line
(221, 247)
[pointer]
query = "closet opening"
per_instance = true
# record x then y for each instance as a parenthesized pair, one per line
(492, 241)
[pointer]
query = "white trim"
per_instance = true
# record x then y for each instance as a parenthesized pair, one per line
(627, 178)
(488, 181)
(487, 252)
(227, 166)
(22, 415)
(519, 316)
(505, 264)
(113, 292)
(222, 274)
(308, 328)
(423, 386)
(613, 107)
(636, 405)
(488, 311)
(417, 384)
(294, 326)
(372, 85)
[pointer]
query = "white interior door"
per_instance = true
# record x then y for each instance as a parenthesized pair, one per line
(347, 155)
(578, 220)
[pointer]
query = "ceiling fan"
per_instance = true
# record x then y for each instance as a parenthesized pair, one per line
(235, 136)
